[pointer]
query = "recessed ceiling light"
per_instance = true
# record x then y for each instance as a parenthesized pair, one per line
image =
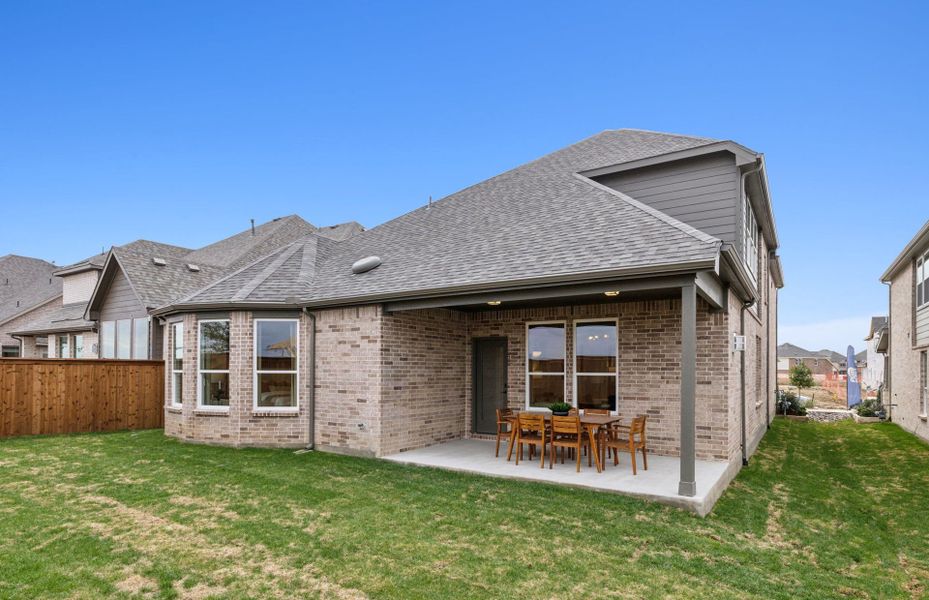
(612, 293)
(494, 303)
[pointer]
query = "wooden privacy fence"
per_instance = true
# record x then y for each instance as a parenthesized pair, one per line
(39, 396)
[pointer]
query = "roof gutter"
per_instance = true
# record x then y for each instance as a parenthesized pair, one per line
(918, 240)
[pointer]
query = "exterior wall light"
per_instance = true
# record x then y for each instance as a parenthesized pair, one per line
(494, 303)
(611, 294)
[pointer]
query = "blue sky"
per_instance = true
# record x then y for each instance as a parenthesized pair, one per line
(181, 121)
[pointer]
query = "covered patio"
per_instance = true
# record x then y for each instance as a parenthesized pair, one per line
(659, 483)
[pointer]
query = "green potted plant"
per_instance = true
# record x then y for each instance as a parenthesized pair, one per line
(560, 409)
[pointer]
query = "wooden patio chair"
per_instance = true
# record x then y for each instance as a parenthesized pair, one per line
(566, 432)
(530, 430)
(503, 426)
(628, 439)
(598, 411)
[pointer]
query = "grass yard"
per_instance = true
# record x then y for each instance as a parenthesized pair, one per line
(823, 511)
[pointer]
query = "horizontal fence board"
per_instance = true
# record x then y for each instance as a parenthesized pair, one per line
(44, 396)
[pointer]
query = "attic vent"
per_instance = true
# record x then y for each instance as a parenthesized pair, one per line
(366, 264)
(193, 268)
(160, 262)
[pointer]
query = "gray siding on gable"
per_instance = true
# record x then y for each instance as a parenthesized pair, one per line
(702, 192)
(120, 301)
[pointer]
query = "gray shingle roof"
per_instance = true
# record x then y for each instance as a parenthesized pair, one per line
(25, 282)
(67, 317)
(245, 247)
(539, 220)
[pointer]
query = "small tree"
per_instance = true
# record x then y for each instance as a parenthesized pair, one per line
(801, 377)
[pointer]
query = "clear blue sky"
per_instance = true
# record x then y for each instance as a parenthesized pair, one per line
(179, 122)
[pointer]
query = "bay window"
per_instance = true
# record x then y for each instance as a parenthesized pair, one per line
(545, 364)
(596, 352)
(177, 364)
(213, 363)
(276, 360)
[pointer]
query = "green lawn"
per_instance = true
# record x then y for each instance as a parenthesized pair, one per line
(822, 511)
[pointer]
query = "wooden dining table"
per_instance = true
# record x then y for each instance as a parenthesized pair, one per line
(590, 423)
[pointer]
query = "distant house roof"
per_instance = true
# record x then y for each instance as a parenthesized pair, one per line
(25, 283)
(877, 324)
(542, 220)
(67, 317)
(787, 350)
(161, 273)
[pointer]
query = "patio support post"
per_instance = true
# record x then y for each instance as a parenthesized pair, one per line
(688, 485)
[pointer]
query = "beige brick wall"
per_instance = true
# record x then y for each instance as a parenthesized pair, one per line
(242, 424)
(78, 287)
(39, 313)
(392, 382)
(904, 357)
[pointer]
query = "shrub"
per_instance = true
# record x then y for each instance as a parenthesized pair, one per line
(869, 407)
(788, 403)
(560, 407)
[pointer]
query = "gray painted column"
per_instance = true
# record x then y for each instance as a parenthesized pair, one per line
(688, 485)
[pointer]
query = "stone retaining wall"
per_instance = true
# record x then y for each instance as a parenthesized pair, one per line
(828, 415)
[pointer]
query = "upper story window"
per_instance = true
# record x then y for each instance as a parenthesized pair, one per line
(276, 355)
(749, 236)
(922, 280)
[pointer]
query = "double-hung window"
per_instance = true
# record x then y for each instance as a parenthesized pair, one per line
(924, 383)
(213, 363)
(749, 236)
(177, 364)
(277, 349)
(545, 364)
(922, 280)
(79, 346)
(596, 353)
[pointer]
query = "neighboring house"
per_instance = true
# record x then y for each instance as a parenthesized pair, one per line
(68, 333)
(873, 371)
(613, 273)
(824, 364)
(906, 379)
(28, 290)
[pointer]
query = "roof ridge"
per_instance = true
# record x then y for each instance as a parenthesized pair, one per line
(664, 217)
(308, 262)
(269, 270)
(667, 133)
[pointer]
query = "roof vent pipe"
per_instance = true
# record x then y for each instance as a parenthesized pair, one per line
(253, 226)
(366, 264)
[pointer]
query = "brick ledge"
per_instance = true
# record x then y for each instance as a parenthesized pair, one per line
(275, 413)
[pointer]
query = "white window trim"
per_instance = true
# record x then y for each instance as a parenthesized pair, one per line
(922, 262)
(564, 373)
(750, 224)
(256, 372)
(201, 372)
(175, 372)
(577, 322)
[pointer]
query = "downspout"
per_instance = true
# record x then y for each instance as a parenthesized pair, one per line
(745, 306)
(888, 356)
(767, 350)
(311, 394)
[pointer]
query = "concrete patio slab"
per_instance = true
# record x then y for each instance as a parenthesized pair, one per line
(659, 483)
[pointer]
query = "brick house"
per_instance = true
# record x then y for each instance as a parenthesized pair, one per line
(905, 340)
(614, 273)
(28, 290)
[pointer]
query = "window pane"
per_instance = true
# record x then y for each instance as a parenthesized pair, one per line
(123, 338)
(546, 348)
(277, 390)
(78, 346)
(178, 389)
(63, 347)
(108, 339)
(140, 338)
(214, 389)
(276, 345)
(545, 389)
(214, 345)
(596, 391)
(596, 347)
(178, 341)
